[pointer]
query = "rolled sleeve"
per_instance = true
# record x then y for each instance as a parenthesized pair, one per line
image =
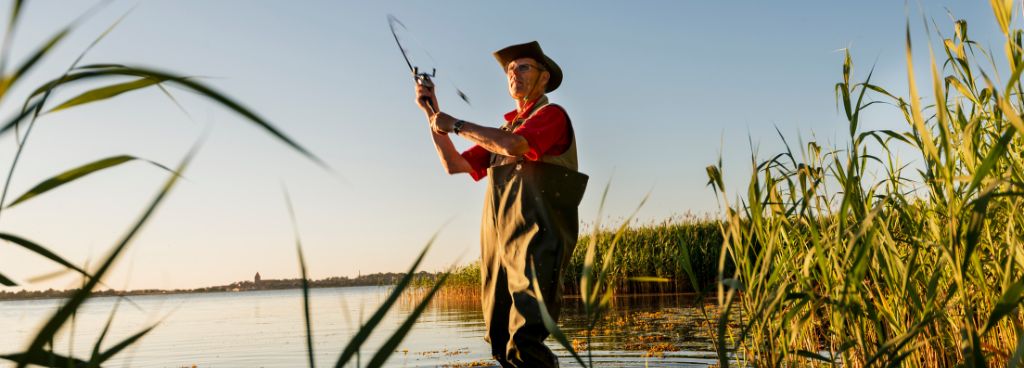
(543, 131)
(479, 159)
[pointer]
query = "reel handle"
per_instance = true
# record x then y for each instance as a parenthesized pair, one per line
(423, 79)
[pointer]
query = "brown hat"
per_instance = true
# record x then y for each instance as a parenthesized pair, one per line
(531, 50)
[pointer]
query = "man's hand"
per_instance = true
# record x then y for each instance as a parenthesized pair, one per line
(424, 94)
(442, 123)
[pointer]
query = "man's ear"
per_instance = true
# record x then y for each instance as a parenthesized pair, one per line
(545, 76)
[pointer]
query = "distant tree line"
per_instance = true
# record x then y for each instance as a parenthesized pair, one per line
(376, 279)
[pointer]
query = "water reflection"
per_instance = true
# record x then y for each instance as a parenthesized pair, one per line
(266, 329)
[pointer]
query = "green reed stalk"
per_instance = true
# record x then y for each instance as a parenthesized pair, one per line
(923, 267)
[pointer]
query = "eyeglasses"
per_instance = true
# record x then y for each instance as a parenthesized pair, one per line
(522, 68)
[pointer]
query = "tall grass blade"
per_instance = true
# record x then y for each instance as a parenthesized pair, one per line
(79, 172)
(813, 355)
(305, 308)
(364, 332)
(684, 259)
(396, 338)
(42, 251)
(106, 92)
(16, 119)
(997, 152)
(1007, 305)
(189, 84)
(649, 279)
(35, 108)
(45, 359)
(94, 357)
(5, 49)
(549, 322)
(1003, 10)
(1018, 353)
(587, 280)
(926, 142)
(10, 80)
(6, 281)
(114, 350)
(305, 280)
(53, 325)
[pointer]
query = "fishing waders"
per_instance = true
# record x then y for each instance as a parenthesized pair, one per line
(530, 224)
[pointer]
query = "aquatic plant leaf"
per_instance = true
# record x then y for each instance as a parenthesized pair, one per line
(6, 281)
(305, 308)
(187, 83)
(99, 66)
(305, 280)
(45, 359)
(12, 79)
(40, 250)
(53, 325)
(79, 172)
(396, 338)
(588, 280)
(106, 92)
(951, 80)
(715, 178)
(813, 355)
(995, 153)
(917, 121)
(649, 279)
(1007, 304)
(16, 119)
(722, 326)
(684, 258)
(94, 357)
(975, 354)
(1003, 10)
(1018, 353)
(110, 353)
(364, 332)
(549, 323)
(16, 7)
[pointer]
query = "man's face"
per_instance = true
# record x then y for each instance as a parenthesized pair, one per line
(526, 78)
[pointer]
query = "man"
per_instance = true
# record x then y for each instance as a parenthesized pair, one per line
(530, 221)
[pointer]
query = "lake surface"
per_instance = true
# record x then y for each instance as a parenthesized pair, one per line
(266, 329)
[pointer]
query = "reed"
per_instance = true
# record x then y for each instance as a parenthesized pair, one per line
(40, 350)
(919, 267)
(653, 250)
(644, 251)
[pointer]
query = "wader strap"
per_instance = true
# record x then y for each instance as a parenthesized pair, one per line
(511, 126)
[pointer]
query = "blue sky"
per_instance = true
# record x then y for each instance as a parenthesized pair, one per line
(656, 91)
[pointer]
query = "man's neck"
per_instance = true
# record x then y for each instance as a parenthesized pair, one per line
(524, 103)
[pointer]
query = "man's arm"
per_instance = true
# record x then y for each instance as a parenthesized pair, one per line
(492, 139)
(452, 161)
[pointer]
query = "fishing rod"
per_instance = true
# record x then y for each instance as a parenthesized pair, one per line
(422, 78)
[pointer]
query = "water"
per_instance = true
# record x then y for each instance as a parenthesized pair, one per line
(266, 329)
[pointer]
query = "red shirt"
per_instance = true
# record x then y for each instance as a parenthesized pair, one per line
(547, 133)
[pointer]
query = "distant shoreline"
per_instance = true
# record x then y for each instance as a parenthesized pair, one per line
(377, 279)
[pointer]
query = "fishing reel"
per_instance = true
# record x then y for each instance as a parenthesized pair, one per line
(424, 79)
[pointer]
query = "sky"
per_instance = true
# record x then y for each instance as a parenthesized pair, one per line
(656, 91)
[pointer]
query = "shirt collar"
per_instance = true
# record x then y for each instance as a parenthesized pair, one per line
(511, 115)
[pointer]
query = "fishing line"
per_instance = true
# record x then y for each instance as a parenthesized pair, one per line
(422, 78)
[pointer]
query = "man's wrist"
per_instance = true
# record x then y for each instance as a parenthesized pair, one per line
(457, 127)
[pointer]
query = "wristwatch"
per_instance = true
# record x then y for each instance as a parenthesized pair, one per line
(457, 127)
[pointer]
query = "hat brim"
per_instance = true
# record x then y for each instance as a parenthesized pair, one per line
(531, 50)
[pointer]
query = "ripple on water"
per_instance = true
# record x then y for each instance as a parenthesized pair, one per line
(266, 329)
